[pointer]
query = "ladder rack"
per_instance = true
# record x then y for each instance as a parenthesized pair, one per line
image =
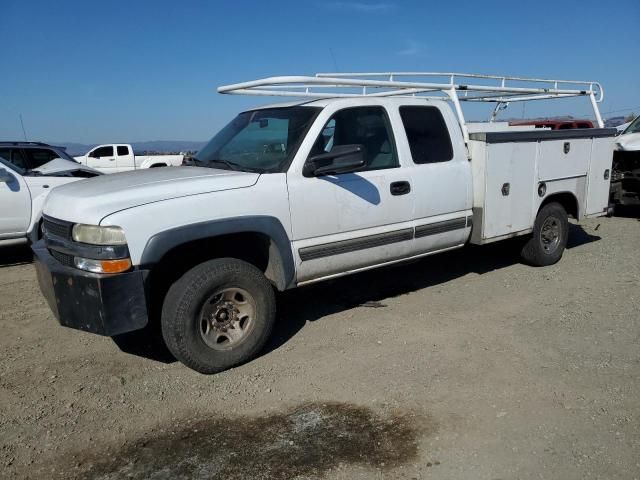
(454, 87)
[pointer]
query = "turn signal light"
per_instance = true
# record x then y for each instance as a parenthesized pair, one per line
(102, 266)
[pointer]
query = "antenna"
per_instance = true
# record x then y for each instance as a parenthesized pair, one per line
(335, 64)
(23, 130)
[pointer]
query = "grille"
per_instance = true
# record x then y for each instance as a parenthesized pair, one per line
(56, 227)
(63, 258)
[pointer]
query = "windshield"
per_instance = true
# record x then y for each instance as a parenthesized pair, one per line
(259, 140)
(634, 127)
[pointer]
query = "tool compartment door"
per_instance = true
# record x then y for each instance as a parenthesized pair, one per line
(599, 177)
(509, 184)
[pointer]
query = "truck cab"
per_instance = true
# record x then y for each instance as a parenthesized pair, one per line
(109, 158)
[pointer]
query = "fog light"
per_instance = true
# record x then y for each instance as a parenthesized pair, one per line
(102, 266)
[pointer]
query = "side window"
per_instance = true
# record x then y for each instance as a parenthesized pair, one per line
(366, 126)
(427, 133)
(36, 157)
(123, 150)
(102, 152)
(14, 157)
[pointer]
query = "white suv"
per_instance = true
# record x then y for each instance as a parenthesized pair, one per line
(28, 172)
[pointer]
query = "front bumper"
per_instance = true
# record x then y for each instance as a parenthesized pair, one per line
(97, 303)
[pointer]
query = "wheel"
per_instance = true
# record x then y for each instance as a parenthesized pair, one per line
(218, 315)
(549, 238)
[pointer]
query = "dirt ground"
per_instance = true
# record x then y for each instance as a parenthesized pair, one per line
(467, 365)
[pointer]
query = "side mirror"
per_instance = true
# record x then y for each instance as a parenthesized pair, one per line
(5, 176)
(93, 154)
(341, 159)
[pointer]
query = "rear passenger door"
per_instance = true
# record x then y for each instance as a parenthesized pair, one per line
(440, 176)
(124, 158)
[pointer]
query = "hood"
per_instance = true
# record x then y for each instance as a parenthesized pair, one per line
(60, 165)
(89, 201)
(629, 142)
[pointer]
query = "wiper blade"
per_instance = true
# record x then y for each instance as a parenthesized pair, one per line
(236, 167)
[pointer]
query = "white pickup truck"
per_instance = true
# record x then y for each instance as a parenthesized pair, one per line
(121, 158)
(310, 190)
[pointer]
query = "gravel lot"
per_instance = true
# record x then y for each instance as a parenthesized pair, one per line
(464, 365)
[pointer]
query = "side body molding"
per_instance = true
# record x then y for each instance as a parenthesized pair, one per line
(280, 269)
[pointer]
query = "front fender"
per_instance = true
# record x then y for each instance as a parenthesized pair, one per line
(281, 262)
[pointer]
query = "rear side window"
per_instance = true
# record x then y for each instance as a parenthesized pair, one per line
(14, 156)
(427, 133)
(123, 150)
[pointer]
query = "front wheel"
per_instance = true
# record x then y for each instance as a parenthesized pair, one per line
(549, 237)
(218, 315)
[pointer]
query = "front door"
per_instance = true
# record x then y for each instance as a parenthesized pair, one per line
(351, 221)
(103, 159)
(15, 200)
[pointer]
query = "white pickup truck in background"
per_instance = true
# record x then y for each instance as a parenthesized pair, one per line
(291, 194)
(120, 157)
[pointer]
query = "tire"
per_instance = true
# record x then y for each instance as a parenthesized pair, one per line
(218, 315)
(549, 238)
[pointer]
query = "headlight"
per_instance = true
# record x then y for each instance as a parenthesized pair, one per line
(96, 235)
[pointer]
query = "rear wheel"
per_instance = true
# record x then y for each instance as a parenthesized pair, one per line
(218, 315)
(549, 237)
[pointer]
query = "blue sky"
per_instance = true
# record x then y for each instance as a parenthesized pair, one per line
(91, 72)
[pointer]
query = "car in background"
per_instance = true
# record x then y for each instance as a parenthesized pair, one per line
(555, 124)
(113, 158)
(28, 172)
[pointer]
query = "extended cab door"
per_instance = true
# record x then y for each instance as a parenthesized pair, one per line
(103, 158)
(125, 159)
(440, 174)
(354, 220)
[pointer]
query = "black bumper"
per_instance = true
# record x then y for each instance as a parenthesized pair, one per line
(102, 304)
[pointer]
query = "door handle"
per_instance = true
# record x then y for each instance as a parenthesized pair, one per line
(400, 188)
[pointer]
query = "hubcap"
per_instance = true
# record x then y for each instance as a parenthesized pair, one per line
(550, 235)
(227, 318)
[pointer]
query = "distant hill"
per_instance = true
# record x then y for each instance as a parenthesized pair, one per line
(152, 146)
